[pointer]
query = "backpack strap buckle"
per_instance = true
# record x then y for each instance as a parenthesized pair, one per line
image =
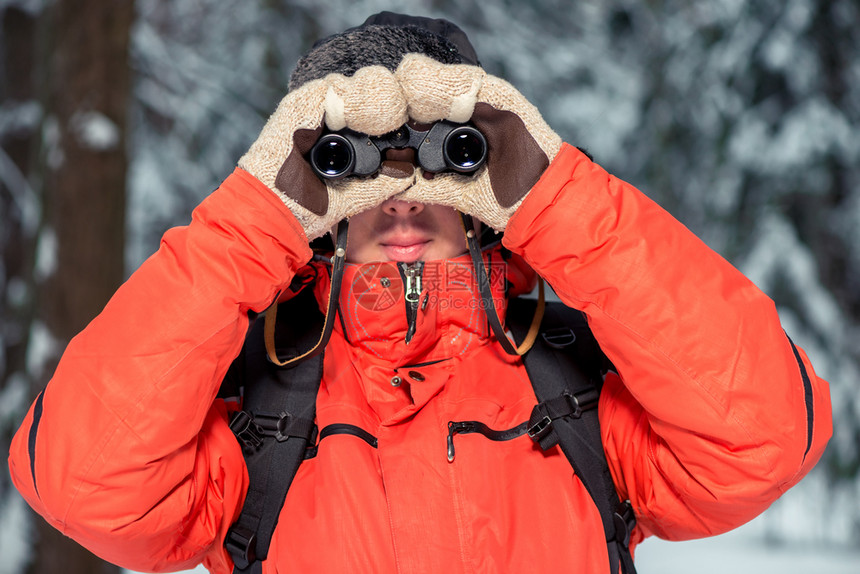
(283, 426)
(538, 430)
(566, 405)
(253, 429)
(246, 430)
(241, 544)
(559, 337)
(625, 520)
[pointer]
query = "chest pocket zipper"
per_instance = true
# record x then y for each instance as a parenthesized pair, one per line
(466, 427)
(341, 428)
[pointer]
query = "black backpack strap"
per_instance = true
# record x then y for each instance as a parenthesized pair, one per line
(276, 424)
(566, 368)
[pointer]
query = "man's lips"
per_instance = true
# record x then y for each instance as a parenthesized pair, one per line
(405, 249)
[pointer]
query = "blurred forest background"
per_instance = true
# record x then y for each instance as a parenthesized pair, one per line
(739, 116)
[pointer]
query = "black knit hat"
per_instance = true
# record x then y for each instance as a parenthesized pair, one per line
(383, 40)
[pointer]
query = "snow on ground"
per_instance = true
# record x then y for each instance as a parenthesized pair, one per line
(738, 552)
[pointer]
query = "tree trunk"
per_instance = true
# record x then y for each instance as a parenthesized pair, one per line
(83, 84)
(18, 202)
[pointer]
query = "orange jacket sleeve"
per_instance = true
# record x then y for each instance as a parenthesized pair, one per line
(718, 412)
(112, 452)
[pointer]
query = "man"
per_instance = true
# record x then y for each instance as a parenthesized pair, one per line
(709, 415)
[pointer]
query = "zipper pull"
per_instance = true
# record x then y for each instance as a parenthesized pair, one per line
(411, 274)
(454, 428)
(413, 283)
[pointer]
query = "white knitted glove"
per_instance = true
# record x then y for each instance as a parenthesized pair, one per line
(369, 102)
(520, 144)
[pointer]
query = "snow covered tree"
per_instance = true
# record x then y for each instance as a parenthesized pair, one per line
(67, 164)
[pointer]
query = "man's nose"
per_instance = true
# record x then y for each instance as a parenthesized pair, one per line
(398, 207)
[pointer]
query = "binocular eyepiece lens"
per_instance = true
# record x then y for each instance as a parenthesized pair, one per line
(332, 156)
(465, 149)
(444, 147)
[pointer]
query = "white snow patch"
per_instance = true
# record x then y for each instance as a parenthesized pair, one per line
(766, 544)
(808, 131)
(778, 250)
(46, 254)
(17, 292)
(778, 50)
(32, 7)
(15, 538)
(54, 155)
(22, 193)
(19, 116)
(95, 130)
(740, 553)
(13, 399)
(43, 347)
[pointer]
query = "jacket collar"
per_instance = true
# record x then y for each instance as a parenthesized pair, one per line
(449, 318)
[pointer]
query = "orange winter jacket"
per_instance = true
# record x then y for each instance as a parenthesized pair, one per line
(712, 415)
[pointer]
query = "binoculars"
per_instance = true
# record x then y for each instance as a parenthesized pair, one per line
(445, 146)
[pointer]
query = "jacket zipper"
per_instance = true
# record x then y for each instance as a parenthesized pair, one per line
(411, 275)
(340, 429)
(454, 428)
(466, 427)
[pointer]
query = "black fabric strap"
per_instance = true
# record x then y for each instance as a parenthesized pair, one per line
(566, 367)
(484, 286)
(276, 424)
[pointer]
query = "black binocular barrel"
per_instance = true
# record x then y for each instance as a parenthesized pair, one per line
(444, 147)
